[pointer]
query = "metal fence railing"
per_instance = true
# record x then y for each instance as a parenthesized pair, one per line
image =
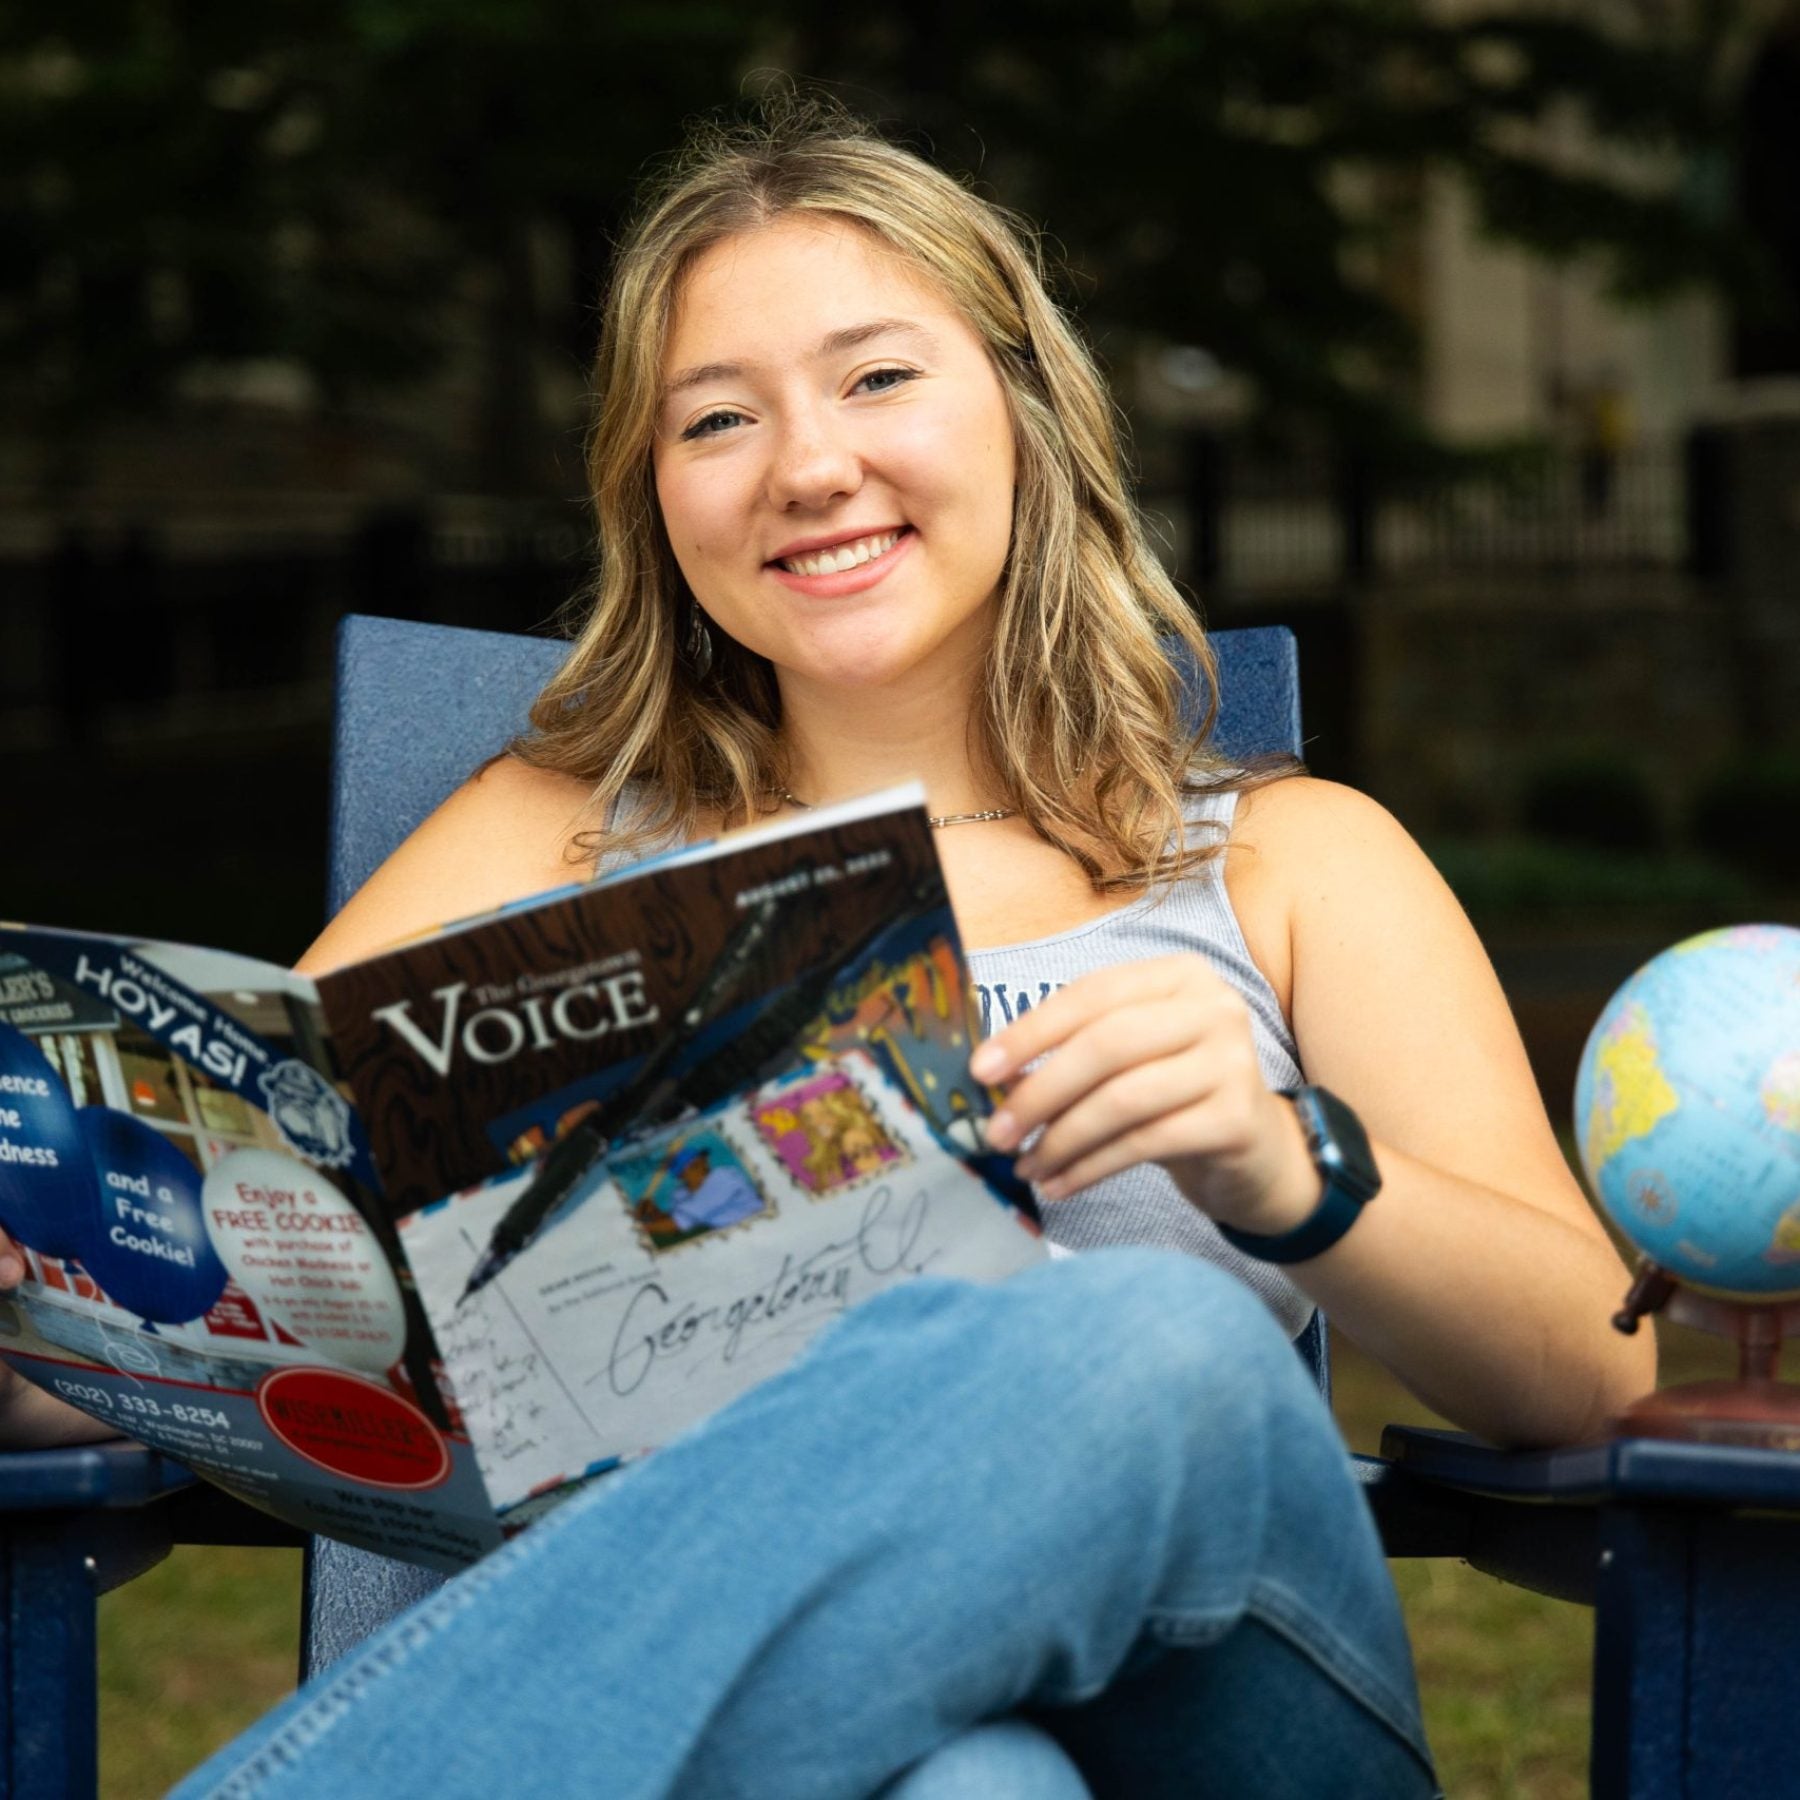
(199, 623)
(1251, 523)
(142, 632)
(1569, 511)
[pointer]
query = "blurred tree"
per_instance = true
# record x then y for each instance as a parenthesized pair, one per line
(337, 185)
(1768, 323)
(183, 185)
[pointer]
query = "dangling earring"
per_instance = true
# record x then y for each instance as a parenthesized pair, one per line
(697, 643)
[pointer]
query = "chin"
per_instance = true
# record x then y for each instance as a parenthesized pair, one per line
(872, 672)
(855, 660)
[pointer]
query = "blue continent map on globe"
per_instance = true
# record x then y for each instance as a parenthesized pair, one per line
(1687, 1110)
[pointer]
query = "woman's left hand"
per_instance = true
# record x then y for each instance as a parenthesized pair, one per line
(1154, 1062)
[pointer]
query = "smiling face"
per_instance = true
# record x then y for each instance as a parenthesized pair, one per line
(834, 458)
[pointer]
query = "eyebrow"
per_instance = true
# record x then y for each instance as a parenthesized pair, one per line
(833, 343)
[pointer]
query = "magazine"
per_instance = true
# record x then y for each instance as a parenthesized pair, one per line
(407, 1252)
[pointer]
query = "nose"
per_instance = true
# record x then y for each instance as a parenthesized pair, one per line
(812, 463)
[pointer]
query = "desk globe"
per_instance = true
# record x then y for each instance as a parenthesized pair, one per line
(1687, 1107)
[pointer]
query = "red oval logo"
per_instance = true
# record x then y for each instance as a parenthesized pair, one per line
(354, 1428)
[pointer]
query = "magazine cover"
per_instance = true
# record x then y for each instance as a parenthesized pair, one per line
(407, 1253)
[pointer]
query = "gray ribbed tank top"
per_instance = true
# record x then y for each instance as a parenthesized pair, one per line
(1143, 1205)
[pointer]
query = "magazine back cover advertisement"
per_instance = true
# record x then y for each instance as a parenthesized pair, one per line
(207, 1269)
(409, 1253)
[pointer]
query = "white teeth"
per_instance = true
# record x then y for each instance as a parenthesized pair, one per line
(841, 556)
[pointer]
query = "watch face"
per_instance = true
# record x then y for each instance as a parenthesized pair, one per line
(1340, 1152)
(1344, 1148)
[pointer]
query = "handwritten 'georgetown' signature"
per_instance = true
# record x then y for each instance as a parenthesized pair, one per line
(885, 1244)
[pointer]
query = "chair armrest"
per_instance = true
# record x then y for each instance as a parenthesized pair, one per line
(1548, 1549)
(204, 1514)
(80, 1476)
(1503, 1525)
(1532, 1517)
(1614, 1471)
(121, 1506)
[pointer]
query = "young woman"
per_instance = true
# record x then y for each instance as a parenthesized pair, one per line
(862, 518)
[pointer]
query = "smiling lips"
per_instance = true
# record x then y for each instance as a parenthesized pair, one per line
(841, 556)
(846, 567)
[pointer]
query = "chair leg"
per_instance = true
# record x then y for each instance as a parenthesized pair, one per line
(1641, 1647)
(51, 1725)
(53, 1568)
(1696, 1636)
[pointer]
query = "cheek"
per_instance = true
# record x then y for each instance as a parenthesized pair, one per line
(687, 516)
(1003, 484)
(988, 465)
(965, 468)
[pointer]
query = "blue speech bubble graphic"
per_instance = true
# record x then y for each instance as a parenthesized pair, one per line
(47, 1194)
(148, 1246)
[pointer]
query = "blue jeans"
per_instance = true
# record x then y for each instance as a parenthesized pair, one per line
(1091, 1530)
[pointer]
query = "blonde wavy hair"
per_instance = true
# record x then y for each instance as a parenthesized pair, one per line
(1078, 719)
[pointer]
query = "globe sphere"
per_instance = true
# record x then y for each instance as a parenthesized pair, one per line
(1687, 1110)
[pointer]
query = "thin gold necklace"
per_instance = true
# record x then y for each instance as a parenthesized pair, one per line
(937, 822)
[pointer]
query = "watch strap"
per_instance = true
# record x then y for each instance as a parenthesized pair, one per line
(1341, 1154)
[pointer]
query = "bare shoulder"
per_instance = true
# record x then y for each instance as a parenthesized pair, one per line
(1341, 869)
(507, 832)
(512, 799)
(1300, 845)
(1301, 814)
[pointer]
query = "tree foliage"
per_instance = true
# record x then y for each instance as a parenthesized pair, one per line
(190, 184)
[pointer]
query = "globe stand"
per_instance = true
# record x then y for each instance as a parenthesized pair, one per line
(1758, 1409)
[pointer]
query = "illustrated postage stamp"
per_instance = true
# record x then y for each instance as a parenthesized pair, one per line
(694, 1183)
(826, 1133)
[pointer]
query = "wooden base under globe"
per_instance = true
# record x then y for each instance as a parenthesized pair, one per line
(1758, 1414)
(1757, 1410)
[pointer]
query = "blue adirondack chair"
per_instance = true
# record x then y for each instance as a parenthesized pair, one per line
(1691, 1554)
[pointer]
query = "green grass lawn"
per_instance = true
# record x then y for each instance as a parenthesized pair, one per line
(199, 1647)
(189, 1655)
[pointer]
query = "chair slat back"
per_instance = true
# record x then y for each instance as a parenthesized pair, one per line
(420, 707)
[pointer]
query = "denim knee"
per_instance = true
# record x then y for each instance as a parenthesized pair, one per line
(1159, 1324)
(1122, 1386)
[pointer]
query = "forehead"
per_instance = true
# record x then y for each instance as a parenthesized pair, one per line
(759, 295)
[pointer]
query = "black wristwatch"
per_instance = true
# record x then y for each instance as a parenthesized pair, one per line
(1340, 1152)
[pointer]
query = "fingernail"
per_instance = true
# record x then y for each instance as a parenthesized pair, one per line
(988, 1063)
(12, 1271)
(1027, 1167)
(1053, 1190)
(1003, 1130)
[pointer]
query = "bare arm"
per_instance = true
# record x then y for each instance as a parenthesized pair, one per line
(1480, 1275)
(31, 1419)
